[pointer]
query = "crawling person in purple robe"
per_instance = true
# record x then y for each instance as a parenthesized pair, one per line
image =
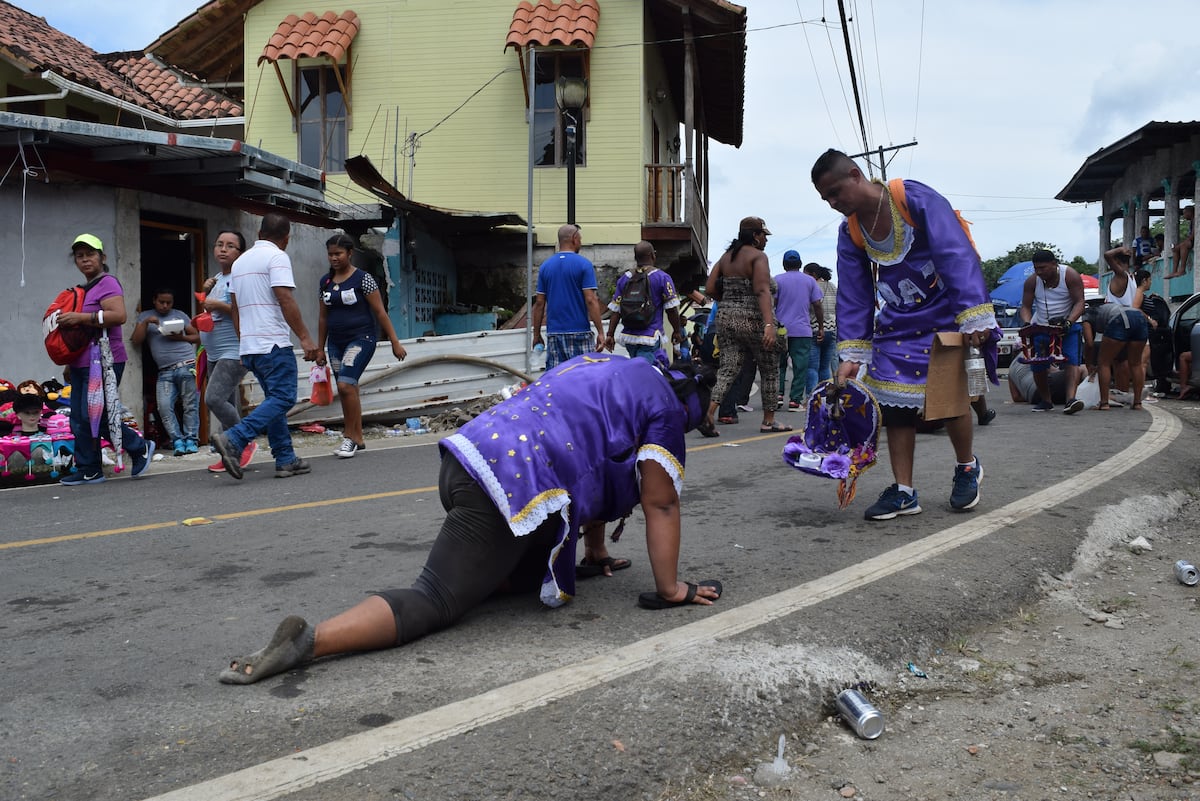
(915, 254)
(592, 438)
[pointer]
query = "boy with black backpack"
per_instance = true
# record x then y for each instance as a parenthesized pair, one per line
(642, 295)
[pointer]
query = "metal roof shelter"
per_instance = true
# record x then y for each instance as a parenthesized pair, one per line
(222, 172)
(1105, 167)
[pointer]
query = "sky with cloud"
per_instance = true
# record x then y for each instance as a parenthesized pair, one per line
(1004, 99)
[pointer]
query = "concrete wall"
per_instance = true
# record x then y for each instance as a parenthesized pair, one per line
(42, 220)
(1127, 206)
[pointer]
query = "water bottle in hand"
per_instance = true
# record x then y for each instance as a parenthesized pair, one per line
(976, 372)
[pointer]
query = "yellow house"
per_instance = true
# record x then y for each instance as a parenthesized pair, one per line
(470, 105)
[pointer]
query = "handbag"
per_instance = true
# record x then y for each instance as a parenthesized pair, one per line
(322, 385)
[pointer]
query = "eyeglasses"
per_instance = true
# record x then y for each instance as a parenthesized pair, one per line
(226, 246)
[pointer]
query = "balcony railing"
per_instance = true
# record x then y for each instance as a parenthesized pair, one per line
(673, 198)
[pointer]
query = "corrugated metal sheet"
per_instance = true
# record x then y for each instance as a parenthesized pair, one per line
(423, 387)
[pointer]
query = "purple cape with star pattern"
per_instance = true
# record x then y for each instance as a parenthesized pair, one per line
(569, 444)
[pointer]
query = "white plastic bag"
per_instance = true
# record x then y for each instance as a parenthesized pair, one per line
(1089, 392)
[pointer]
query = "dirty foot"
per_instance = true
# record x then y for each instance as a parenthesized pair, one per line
(291, 645)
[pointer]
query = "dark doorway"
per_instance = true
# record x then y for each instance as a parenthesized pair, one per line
(172, 258)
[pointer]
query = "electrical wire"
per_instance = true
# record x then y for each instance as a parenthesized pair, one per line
(812, 58)
(879, 73)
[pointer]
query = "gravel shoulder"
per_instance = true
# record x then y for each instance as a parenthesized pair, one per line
(1093, 692)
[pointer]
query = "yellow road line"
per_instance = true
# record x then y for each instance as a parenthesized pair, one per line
(312, 767)
(87, 535)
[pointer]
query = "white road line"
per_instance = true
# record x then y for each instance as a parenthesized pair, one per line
(323, 763)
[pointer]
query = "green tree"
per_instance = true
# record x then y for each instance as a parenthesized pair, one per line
(994, 268)
(1082, 266)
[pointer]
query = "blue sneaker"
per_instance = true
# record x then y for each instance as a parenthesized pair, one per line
(192, 446)
(78, 478)
(140, 463)
(180, 447)
(1042, 407)
(892, 503)
(965, 494)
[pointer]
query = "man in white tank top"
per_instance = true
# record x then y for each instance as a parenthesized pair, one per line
(1054, 296)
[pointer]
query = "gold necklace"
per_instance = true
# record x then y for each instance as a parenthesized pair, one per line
(879, 205)
(893, 255)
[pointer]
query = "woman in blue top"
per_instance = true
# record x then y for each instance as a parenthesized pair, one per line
(350, 309)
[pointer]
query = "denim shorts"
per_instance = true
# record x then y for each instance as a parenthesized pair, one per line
(350, 359)
(1129, 326)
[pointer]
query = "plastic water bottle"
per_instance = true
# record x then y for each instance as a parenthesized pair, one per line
(976, 372)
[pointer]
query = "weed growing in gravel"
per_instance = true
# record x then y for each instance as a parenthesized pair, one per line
(1175, 743)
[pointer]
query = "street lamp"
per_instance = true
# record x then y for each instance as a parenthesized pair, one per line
(570, 94)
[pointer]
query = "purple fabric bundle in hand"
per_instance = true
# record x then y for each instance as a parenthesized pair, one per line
(840, 437)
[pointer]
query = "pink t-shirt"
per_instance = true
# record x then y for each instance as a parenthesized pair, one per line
(106, 287)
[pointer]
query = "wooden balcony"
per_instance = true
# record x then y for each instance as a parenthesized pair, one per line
(675, 209)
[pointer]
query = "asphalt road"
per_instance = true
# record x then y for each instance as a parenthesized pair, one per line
(117, 618)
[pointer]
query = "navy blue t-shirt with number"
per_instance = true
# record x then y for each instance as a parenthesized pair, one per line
(348, 314)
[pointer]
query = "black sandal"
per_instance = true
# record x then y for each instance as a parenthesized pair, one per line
(708, 429)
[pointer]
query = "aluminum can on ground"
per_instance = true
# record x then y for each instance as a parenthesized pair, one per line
(863, 717)
(1185, 571)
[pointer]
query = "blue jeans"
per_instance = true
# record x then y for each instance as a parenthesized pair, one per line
(276, 374)
(87, 450)
(827, 363)
(798, 352)
(178, 384)
(350, 359)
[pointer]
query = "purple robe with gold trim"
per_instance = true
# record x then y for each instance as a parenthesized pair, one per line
(570, 443)
(934, 284)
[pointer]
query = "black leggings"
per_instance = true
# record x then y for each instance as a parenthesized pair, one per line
(474, 555)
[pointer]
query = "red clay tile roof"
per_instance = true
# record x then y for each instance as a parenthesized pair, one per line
(182, 102)
(310, 36)
(32, 45)
(545, 23)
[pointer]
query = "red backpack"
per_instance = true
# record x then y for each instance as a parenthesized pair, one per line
(64, 345)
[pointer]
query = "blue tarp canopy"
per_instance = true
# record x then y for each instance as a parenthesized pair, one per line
(1012, 283)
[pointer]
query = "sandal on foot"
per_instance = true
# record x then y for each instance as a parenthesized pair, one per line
(1137, 407)
(590, 569)
(708, 430)
(1102, 407)
(652, 600)
(291, 645)
(774, 428)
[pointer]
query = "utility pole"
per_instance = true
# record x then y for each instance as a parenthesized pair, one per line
(882, 163)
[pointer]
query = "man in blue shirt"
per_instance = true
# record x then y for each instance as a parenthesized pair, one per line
(566, 300)
(799, 299)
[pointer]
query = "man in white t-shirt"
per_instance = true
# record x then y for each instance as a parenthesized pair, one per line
(264, 308)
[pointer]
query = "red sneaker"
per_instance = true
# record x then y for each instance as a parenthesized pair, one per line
(248, 454)
(219, 467)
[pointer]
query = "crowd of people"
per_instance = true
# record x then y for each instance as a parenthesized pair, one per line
(250, 313)
(528, 479)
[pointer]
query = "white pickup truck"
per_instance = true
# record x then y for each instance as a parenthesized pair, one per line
(1009, 320)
